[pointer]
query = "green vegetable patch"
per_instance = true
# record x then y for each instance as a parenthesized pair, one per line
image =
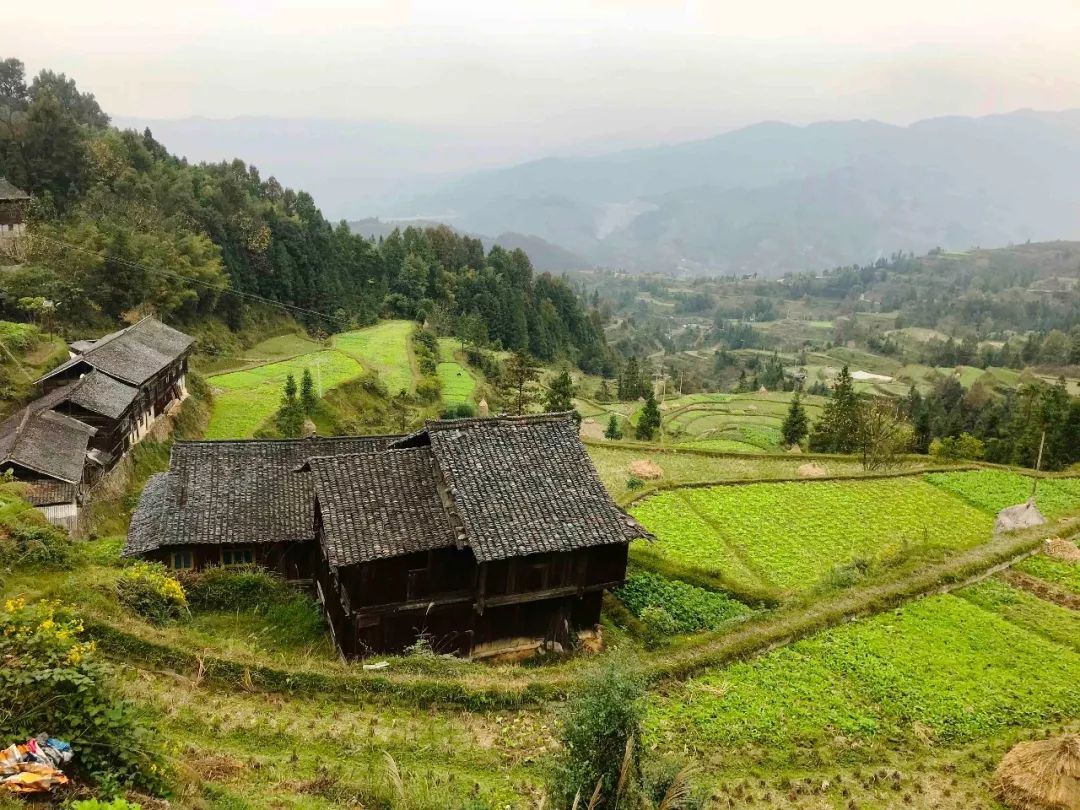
(691, 608)
(993, 490)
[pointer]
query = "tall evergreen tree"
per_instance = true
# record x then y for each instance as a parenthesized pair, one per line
(837, 428)
(308, 398)
(613, 431)
(796, 425)
(649, 420)
(518, 380)
(290, 416)
(560, 394)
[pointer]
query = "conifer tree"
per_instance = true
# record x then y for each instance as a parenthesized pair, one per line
(308, 400)
(613, 431)
(796, 425)
(837, 429)
(649, 421)
(560, 394)
(290, 416)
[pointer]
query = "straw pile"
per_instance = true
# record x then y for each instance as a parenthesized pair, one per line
(1041, 775)
(1061, 550)
(646, 470)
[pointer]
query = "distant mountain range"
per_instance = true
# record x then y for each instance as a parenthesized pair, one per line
(773, 198)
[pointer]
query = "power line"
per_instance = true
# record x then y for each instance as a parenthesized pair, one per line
(227, 290)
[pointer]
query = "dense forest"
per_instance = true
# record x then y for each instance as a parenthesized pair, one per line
(122, 225)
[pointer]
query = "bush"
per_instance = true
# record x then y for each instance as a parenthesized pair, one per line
(149, 590)
(634, 483)
(429, 389)
(956, 448)
(659, 625)
(35, 545)
(232, 587)
(52, 682)
(598, 723)
(459, 410)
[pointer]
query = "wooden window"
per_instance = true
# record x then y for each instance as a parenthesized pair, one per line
(237, 556)
(182, 559)
(417, 584)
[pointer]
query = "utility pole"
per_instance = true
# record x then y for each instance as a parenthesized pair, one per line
(1038, 465)
(318, 375)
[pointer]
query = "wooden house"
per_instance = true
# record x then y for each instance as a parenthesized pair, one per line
(13, 203)
(129, 378)
(479, 535)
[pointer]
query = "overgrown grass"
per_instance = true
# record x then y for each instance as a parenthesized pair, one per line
(458, 384)
(383, 348)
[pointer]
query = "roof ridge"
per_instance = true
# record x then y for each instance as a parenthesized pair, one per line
(297, 440)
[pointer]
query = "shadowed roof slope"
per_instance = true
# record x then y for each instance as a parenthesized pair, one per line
(44, 441)
(132, 355)
(239, 492)
(524, 485)
(380, 505)
(102, 394)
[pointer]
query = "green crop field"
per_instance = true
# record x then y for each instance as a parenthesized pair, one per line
(993, 490)
(457, 383)
(271, 350)
(1030, 612)
(690, 608)
(383, 348)
(243, 400)
(941, 671)
(792, 535)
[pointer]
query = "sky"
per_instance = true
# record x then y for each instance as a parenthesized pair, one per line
(522, 78)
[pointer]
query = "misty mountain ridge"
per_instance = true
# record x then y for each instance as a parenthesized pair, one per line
(772, 198)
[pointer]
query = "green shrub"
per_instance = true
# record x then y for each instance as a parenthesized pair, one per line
(232, 587)
(429, 389)
(150, 591)
(659, 626)
(52, 681)
(36, 545)
(597, 724)
(458, 410)
(633, 483)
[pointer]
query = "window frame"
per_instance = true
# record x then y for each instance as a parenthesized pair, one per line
(247, 554)
(180, 554)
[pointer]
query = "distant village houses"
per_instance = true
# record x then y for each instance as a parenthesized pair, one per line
(480, 536)
(94, 408)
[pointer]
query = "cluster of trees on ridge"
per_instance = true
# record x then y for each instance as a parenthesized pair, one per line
(123, 225)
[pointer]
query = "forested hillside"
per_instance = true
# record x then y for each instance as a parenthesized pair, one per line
(120, 224)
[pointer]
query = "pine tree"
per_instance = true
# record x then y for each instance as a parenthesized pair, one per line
(517, 382)
(290, 416)
(649, 421)
(796, 425)
(837, 429)
(630, 381)
(613, 431)
(560, 394)
(308, 400)
(604, 393)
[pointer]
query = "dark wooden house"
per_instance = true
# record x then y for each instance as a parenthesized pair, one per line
(480, 535)
(131, 377)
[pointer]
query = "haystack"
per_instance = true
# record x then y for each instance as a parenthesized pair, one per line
(646, 470)
(1021, 516)
(812, 470)
(1041, 775)
(1061, 550)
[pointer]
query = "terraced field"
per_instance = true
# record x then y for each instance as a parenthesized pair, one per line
(993, 490)
(243, 400)
(752, 421)
(458, 384)
(904, 686)
(383, 348)
(791, 536)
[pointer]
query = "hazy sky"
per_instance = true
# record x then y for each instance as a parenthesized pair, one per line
(536, 75)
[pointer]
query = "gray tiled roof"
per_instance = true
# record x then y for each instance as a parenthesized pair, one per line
(525, 485)
(143, 529)
(49, 492)
(134, 354)
(241, 491)
(44, 441)
(102, 394)
(380, 505)
(10, 192)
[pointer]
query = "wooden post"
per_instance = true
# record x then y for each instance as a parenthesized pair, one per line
(1038, 465)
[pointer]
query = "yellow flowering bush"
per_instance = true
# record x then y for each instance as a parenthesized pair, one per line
(152, 592)
(52, 681)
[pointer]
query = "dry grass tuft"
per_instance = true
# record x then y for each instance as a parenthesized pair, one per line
(1041, 775)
